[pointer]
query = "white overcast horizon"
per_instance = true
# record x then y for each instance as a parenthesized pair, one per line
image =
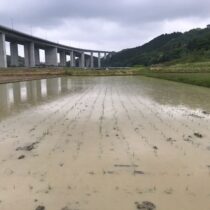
(103, 25)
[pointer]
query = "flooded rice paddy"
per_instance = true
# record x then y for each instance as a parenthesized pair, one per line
(108, 143)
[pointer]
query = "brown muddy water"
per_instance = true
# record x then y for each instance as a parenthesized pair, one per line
(108, 143)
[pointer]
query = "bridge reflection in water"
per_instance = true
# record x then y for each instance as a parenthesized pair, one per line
(18, 96)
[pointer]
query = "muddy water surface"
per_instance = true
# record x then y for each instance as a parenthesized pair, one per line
(120, 143)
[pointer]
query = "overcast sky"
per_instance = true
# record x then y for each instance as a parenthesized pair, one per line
(103, 24)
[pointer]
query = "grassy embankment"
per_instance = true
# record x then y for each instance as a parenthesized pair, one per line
(191, 73)
(112, 72)
(20, 71)
(25, 74)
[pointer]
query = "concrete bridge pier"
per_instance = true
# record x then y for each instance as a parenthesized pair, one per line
(105, 56)
(14, 53)
(82, 60)
(72, 59)
(62, 58)
(91, 61)
(87, 62)
(29, 54)
(37, 56)
(3, 55)
(51, 58)
(110, 55)
(99, 60)
(79, 61)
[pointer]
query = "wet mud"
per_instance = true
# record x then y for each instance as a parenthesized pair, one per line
(104, 143)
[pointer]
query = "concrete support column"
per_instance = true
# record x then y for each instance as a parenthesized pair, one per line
(3, 55)
(29, 54)
(105, 56)
(110, 55)
(72, 61)
(82, 60)
(14, 53)
(104, 59)
(99, 60)
(37, 57)
(91, 61)
(51, 56)
(87, 62)
(63, 58)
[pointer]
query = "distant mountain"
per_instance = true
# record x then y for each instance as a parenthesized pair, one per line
(190, 46)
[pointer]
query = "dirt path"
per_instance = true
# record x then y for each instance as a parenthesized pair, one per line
(107, 146)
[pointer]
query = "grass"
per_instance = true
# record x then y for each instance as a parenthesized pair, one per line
(191, 73)
(195, 74)
(18, 71)
(94, 72)
(200, 67)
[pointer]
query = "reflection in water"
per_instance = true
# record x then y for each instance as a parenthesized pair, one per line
(18, 96)
(4, 100)
(39, 89)
(31, 92)
(17, 93)
(53, 87)
(64, 86)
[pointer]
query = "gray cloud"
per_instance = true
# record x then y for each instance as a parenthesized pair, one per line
(104, 24)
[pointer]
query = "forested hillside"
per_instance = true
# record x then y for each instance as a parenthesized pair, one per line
(191, 46)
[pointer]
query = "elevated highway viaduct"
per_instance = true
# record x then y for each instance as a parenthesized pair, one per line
(83, 58)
